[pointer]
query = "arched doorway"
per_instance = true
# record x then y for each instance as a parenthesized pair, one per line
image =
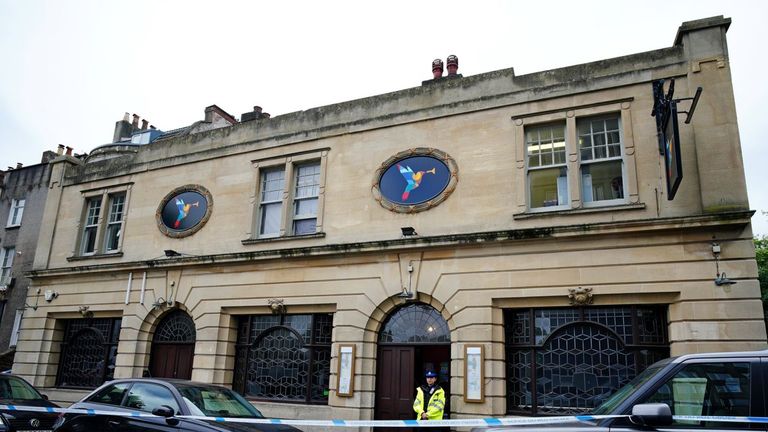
(414, 338)
(173, 347)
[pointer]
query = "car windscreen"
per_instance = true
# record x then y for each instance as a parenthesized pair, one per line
(609, 406)
(12, 388)
(216, 402)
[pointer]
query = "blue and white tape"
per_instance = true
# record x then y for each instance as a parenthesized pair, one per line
(478, 422)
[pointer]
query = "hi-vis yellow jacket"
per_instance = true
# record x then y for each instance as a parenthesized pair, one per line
(436, 402)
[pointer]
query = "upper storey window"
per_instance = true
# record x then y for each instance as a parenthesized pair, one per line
(576, 159)
(289, 196)
(547, 168)
(602, 167)
(103, 222)
(17, 210)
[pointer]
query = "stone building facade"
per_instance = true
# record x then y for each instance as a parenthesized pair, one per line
(320, 261)
(23, 191)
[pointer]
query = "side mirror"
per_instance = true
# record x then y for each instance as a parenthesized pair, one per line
(45, 396)
(167, 412)
(163, 411)
(651, 414)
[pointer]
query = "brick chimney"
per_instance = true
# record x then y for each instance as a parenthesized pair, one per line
(256, 114)
(453, 65)
(124, 129)
(437, 68)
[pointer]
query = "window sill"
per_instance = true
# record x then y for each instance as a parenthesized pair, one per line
(13, 226)
(284, 238)
(95, 256)
(584, 210)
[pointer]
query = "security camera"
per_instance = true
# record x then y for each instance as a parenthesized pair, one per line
(50, 295)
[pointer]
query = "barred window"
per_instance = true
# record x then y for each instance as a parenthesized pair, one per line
(567, 361)
(284, 357)
(88, 352)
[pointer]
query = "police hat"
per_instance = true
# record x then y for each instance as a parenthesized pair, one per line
(430, 374)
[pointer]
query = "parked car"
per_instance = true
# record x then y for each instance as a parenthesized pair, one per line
(166, 398)
(713, 384)
(15, 390)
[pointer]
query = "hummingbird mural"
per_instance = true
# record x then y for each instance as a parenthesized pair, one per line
(413, 178)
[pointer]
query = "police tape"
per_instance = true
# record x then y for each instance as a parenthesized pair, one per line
(476, 422)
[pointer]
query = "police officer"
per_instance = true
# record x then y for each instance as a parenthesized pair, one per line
(430, 399)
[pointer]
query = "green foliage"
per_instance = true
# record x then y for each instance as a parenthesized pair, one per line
(761, 254)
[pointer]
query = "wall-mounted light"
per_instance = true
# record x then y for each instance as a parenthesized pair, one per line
(720, 278)
(408, 231)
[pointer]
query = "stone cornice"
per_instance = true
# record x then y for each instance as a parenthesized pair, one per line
(426, 242)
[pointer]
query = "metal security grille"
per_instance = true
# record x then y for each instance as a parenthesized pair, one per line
(567, 361)
(88, 352)
(284, 357)
(177, 327)
(414, 324)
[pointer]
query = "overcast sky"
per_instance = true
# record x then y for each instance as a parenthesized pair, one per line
(70, 69)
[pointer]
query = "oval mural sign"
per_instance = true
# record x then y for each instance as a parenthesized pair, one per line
(415, 180)
(184, 211)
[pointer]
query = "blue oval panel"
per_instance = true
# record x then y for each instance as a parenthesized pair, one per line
(414, 180)
(184, 211)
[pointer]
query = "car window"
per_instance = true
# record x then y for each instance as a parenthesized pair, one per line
(110, 395)
(708, 389)
(147, 397)
(217, 401)
(12, 388)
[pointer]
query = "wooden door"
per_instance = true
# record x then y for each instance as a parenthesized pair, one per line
(172, 361)
(395, 388)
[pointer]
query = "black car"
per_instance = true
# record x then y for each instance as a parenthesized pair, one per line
(705, 387)
(167, 399)
(16, 391)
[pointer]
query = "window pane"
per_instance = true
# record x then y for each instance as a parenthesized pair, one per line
(89, 240)
(602, 181)
(708, 389)
(548, 187)
(306, 207)
(110, 395)
(272, 185)
(270, 219)
(112, 238)
(545, 145)
(148, 397)
(305, 226)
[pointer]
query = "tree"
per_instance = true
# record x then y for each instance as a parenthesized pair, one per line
(761, 254)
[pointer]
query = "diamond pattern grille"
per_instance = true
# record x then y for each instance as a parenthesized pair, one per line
(175, 328)
(88, 352)
(413, 324)
(580, 355)
(284, 358)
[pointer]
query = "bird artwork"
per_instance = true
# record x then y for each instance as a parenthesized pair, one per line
(413, 179)
(183, 211)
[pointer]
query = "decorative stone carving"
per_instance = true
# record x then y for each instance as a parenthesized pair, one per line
(277, 306)
(580, 296)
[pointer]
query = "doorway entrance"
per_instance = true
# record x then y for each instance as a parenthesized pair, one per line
(414, 339)
(173, 347)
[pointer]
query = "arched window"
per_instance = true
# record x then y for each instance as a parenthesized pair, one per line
(177, 327)
(88, 352)
(284, 357)
(569, 360)
(413, 324)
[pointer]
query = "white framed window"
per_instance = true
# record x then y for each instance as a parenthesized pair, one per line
(103, 222)
(547, 168)
(601, 164)
(305, 195)
(271, 202)
(289, 196)
(16, 328)
(17, 211)
(114, 222)
(6, 264)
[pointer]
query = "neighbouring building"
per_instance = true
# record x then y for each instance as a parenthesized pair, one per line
(512, 233)
(23, 190)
